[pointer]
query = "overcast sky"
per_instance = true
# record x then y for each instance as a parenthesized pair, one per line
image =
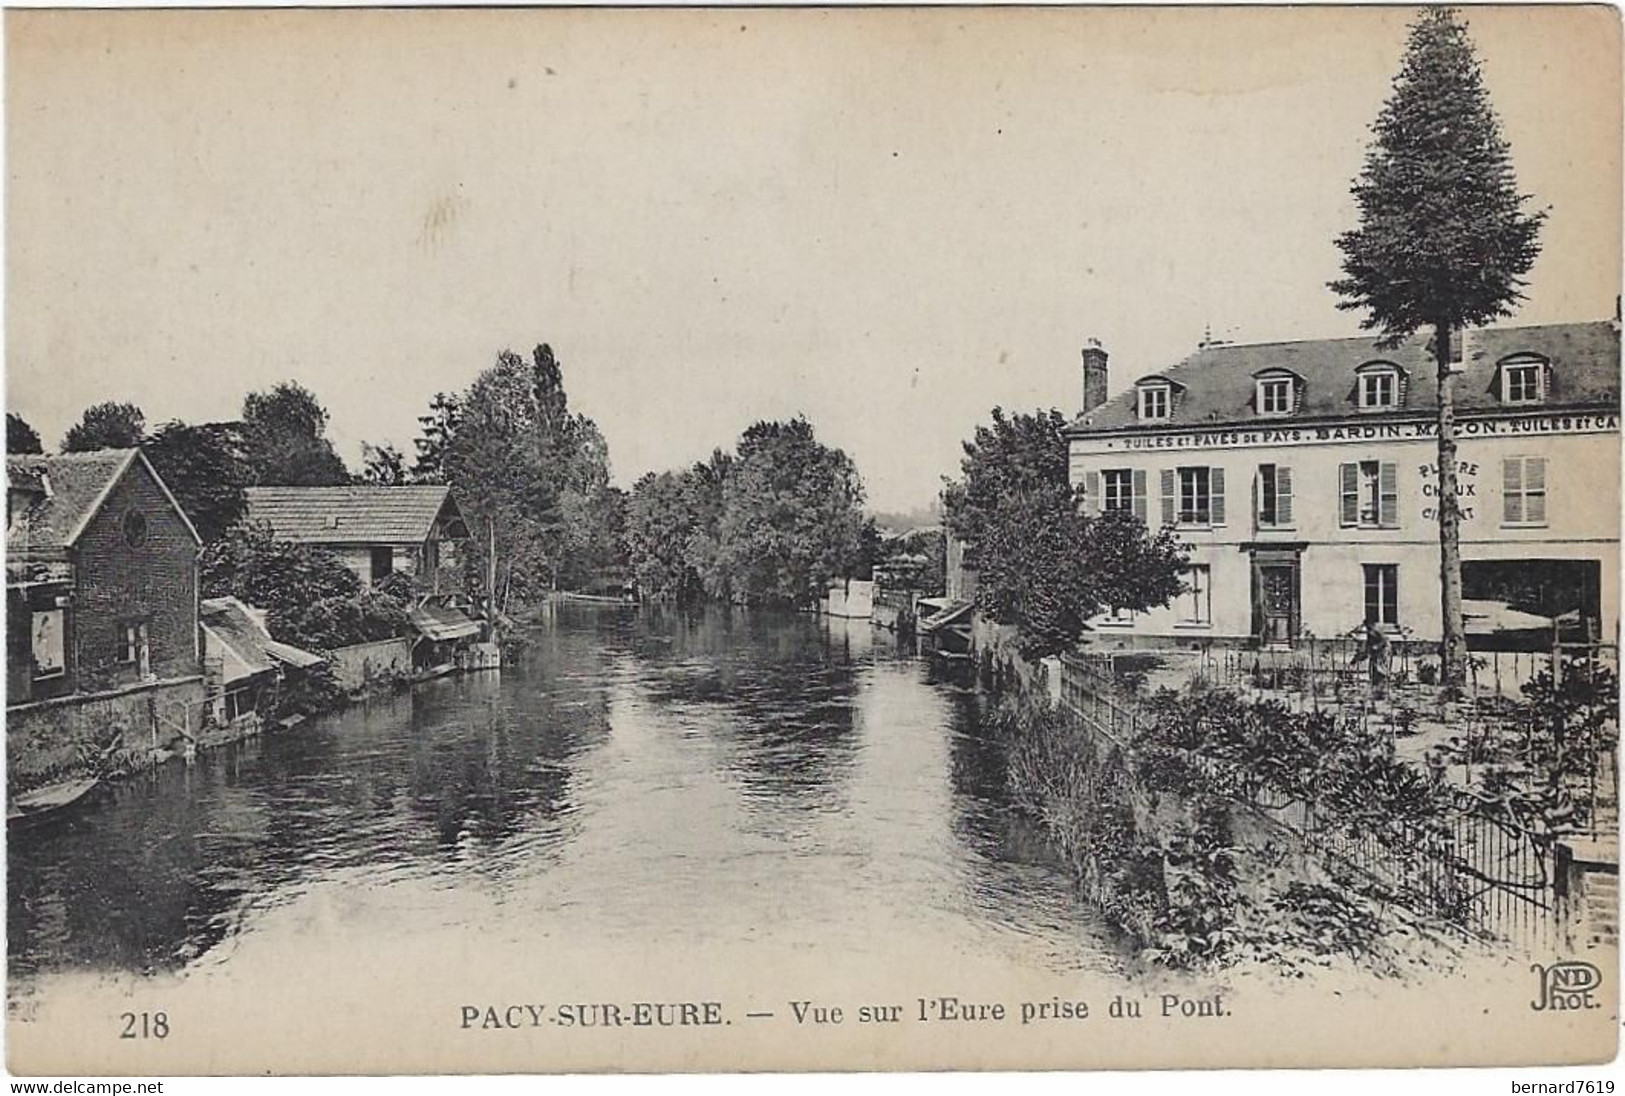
(889, 221)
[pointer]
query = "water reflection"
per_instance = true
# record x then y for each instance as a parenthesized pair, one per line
(667, 778)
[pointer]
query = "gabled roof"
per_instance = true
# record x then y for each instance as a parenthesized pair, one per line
(68, 490)
(1219, 382)
(353, 515)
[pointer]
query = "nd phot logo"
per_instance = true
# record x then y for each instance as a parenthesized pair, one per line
(1566, 986)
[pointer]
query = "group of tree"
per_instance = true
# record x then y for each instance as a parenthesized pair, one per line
(769, 524)
(281, 438)
(1045, 563)
(531, 477)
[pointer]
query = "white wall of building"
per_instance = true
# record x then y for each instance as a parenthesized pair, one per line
(1582, 483)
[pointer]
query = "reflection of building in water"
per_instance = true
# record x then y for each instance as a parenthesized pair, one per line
(1303, 477)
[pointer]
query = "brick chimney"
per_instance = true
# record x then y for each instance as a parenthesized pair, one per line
(1094, 375)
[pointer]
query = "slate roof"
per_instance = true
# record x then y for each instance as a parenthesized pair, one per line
(352, 515)
(1216, 385)
(69, 488)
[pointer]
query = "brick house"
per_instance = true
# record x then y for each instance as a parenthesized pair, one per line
(374, 531)
(101, 606)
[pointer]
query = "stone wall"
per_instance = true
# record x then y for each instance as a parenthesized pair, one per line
(54, 739)
(357, 665)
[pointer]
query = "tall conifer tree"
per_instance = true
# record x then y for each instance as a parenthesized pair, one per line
(1443, 244)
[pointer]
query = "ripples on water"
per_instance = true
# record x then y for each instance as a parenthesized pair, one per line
(656, 778)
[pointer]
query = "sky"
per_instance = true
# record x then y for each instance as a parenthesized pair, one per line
(889, 221)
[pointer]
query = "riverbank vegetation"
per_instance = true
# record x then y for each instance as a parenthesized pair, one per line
(1157, 834)
(768, 524)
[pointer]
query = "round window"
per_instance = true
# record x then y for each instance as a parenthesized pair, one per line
(135, 528)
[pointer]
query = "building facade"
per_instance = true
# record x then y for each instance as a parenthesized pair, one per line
(102, 634)
(1302, 477)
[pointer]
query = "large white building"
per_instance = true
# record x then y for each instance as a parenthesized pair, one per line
(1302, 476)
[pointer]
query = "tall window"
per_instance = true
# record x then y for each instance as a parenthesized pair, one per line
(1523, 491)
(1275, 396)
(48, 647)
(1274, 496)
(1369, 492)
(1382, 594)
(1523, 382)
(1154, 402)
(1195, 496)
(383, 563)
(1379, 389)
(1196, 603)
(1118, 489)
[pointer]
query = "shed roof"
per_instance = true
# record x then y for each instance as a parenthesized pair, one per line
(361, 514)
(68, 489)
(1219, 382)
(236, 635)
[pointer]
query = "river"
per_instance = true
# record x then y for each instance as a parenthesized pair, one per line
(659, 782)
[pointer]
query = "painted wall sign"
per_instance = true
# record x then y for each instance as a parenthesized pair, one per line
(1466, 428)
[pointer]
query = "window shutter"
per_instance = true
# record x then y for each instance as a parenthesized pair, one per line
(1283, 495)
(1092, 502)
(1512, 490)
(1348, 476)
(1170, 500)
(1534, 483)
(1139, 493)
(1215, 487)
(1388, 489)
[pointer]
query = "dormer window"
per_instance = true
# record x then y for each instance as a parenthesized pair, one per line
(1156, 403)
(1275, 395)
(1523, 381)
(1377, 387)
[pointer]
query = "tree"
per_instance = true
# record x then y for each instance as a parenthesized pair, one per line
(1443, 243)
(21, 438)
(1044, 564)
(435, 431)
(206, 468)
(286, 433)
(792, 516)
(383, 465)
(108, 425)
(310, 599)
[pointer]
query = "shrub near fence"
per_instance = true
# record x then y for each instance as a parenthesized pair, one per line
(1489, 875)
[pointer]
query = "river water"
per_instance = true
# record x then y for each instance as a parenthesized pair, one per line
(660, 782)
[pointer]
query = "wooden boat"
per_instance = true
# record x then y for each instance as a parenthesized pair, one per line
(43, 803)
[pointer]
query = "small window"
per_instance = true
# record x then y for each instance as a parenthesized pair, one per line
(1154, 402)
(1118, 489)
(1379, 389)
(1196, 602)
(1275, 396)
(1523, 382)
(1382, 594)
(135, 528)
(1118, 618)
(48, 646)
(1523, 491)
(383, 563)
(133, 644)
